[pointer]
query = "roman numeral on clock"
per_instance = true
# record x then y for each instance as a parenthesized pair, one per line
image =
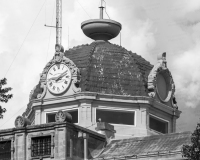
(50, 84)
(58, 66)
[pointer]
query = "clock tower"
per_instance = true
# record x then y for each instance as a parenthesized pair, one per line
(105, 82)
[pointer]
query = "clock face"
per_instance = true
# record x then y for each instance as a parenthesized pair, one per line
(58, 78)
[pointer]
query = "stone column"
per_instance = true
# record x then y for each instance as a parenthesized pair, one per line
(71, 148)
(60, 143)
(20, 145)
(38, 116)
(85, 111)
(85, 148)
(85, 138)
(145, 115)
(173, 127)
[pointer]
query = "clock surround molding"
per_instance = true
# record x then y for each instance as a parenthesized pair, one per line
(161, 76)
(58, 59)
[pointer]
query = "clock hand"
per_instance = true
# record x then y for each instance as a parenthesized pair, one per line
(61, 75)
(53, 78)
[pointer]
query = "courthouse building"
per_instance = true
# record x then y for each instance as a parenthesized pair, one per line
(98, 101)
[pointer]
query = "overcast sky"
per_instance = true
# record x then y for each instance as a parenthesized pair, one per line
(149, 27)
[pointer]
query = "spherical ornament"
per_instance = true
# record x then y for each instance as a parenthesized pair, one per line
(63, 116)
(21, 122)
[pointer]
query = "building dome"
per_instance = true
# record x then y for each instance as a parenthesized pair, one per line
(110, 69)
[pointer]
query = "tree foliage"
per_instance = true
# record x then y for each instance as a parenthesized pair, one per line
(4, 96)
(192, 151)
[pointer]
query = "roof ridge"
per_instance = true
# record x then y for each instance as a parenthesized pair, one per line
(77, 47)
(139, 56)
(155, 136)
(90, 59)
(159, 145)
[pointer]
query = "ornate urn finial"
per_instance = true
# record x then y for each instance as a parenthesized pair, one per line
(59, 53)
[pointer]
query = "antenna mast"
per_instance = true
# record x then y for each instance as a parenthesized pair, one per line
(101, 10)
(58, 22)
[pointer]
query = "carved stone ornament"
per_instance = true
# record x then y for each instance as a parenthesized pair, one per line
(21, 122)
(160, 81)
(63, 116)
(60, 116)
(58, 59)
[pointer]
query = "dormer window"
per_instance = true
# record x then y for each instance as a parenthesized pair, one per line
(115, 116)
(50, 117)
(158, 124)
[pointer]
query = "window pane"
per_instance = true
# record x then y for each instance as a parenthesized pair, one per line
(51, 117)
(41, 146)
(115, 117)
(158, 125)
(74, 114)
(5, 150)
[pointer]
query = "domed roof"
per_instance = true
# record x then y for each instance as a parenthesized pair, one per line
(110, 69)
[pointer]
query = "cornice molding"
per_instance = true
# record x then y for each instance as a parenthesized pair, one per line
(92, 96)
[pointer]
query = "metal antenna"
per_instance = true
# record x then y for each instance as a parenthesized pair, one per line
(101, 10)
(68, 37)
(120, 38)
(58, 21)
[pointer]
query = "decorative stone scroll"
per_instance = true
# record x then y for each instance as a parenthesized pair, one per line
(160, 81)
(21, 122)
(57, 59)
(63, 116)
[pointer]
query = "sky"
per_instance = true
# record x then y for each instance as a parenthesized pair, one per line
(148, 28)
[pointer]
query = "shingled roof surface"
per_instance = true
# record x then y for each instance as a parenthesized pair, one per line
(110, 69)
(146, 146)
